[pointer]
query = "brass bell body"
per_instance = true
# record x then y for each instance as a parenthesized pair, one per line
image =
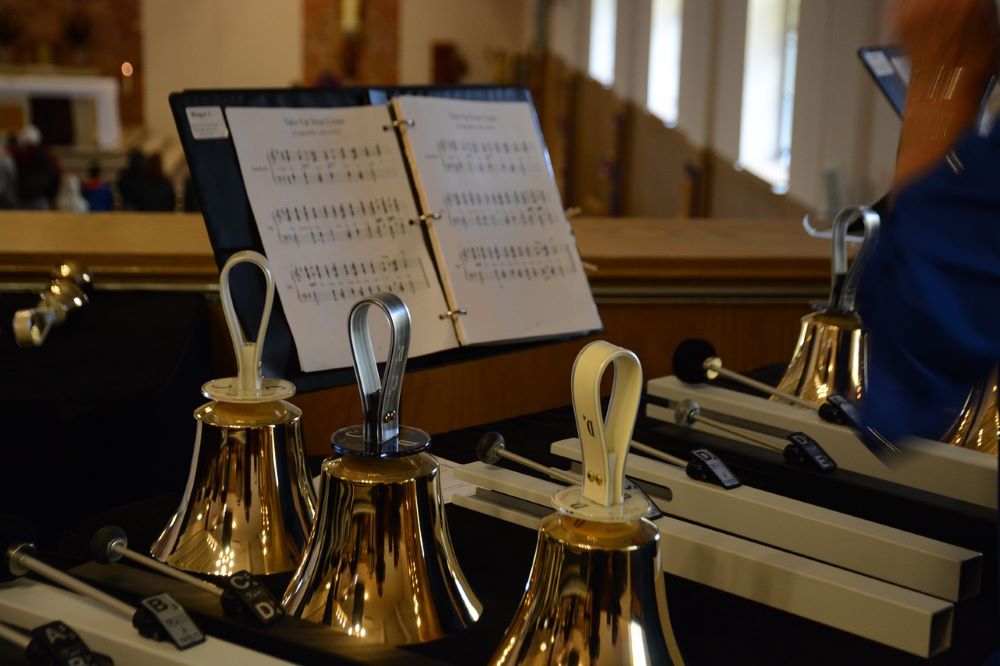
(829, 358)
(248, 504)
(830, 354)
(595, 596)
(978, 424)
(380, 565)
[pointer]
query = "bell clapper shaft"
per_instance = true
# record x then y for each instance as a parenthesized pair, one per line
(688, 412)
(110, 544)
(22, 561)
(662, 455)
(492, 447)
(167, 570)
(714, 368)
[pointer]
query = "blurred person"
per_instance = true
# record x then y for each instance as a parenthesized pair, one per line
(155, 192)
(96, 190)
(8, 175)
(69, 198)
(38, 171)
(130, 178)
(929, 294)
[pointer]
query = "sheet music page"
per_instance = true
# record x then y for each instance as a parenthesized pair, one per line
(334, 208)
(509, 252)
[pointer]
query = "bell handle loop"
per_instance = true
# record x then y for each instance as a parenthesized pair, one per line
(845, 282)
(248, 353)
(380, 397)
(604, 440)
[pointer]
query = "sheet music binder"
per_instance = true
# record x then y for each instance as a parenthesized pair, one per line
(219, 184)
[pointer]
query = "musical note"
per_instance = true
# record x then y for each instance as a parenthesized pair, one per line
(343, 164)
(498, 208)
(517, 262)
(487, 157)
(329, 222)
(347, 281)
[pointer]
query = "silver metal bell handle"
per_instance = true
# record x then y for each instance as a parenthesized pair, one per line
(247, 353)
(33, 325)
(845, 282)
(380, 397)
(604, 440)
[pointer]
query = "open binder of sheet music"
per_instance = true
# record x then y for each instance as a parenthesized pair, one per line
(332, 193)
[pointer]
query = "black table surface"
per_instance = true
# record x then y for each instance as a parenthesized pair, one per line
(712, 627)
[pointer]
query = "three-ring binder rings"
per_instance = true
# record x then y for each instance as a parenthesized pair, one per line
(334, 196)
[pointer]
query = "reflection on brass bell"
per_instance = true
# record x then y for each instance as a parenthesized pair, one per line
(596, 593)
(829, 357)
(249, 501)
(379, 565)
(978, 424)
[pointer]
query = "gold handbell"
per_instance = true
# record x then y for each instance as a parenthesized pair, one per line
(978, 424)
(596, 593)
(379, 565)
(249, 502)
(829, 357)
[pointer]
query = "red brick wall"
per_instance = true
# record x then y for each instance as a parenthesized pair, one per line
(114, 38)
(326, 50)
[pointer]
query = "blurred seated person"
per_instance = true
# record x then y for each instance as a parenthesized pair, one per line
(96, 190)
(38, 171)
(130, 178)
(69, 198)
(155, 192)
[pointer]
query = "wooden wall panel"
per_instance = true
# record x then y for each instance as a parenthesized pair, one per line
(661, 170)
(556, 116)
(596, 141)
(735, 193)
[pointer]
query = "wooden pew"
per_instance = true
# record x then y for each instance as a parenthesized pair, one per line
(661, 171)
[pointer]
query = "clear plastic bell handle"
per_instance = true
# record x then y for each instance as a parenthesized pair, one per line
(604, 440)
(32, 325)
(380, 397)
(845, 282)
(248, 353)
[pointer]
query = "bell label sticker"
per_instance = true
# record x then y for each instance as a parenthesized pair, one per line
(207, 122)
(60, 645)
(255, 597)
(169, 614)
(718, 468)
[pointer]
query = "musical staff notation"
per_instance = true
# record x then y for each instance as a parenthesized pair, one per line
(504, 208)
(347, 281)
(322, 223)
(516, 262)
(487, 157)
(343, 164)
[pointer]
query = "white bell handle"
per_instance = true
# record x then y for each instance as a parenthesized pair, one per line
(605, 439)
(248, 378)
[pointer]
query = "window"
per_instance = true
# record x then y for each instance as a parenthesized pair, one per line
(601, 62)
(769, 89)
(664, 83)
